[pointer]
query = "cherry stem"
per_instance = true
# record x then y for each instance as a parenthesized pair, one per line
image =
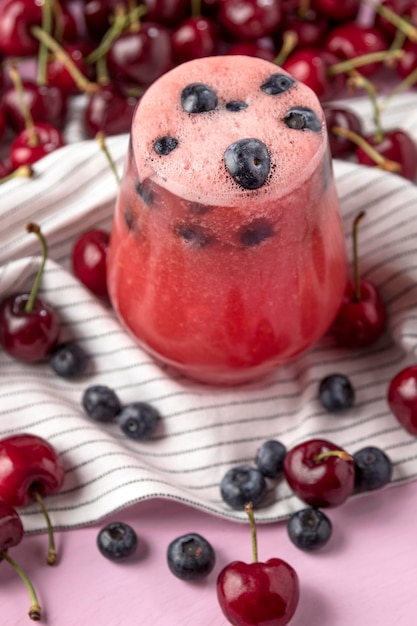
(289, 42)
(303, 8)
(80, 80)
(58, 21)
(23, 171)
(27, 115)
(43, 49)
(121, 22)
(357, 81)
(34, 228)
(251, 516)
(195, 8)
(101, 139)
(51, 558)
(356, 273)
(35, 609)
(345, 456)
(380, 161)
(372, 57)
(396, 20)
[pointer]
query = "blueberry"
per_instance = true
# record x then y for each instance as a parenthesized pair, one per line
(198, 98)
(165, 145)
(68, 360)
(301, 118)
(248, 163)
(117, 541)
(101, 403)
(236, 105)
(129, 219)
(241, 485)
(193, 235)
(190, 557)
(144, 191)
(138, 420)
(270, 458)
(277, 83)
(373, 469)
(309, 529)
(255, 233)
(336, 393)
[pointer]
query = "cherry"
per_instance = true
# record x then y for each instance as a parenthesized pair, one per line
(3, 122)
(11, 534)
(89, 255)
(402, 398)
(308, 66)
(395, 145)
(320, 473)
(109, 110)
(408, 61)
(29, 470)
(58, 74)
(140, 57)
(32, 144)
(362, 315)
(250, 19)
(336, 10)
(351, 40)
(389, 17)
(309, 27)
(167, 12)
(194, 38)
(258, 593)
(337, 117)
(29, 328)
(45, 103)
(257, 48)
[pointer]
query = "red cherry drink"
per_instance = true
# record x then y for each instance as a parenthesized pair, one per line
(227, 254)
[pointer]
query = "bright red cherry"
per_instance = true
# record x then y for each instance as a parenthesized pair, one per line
(320, 473)
(258, 593)
(308, 66)
(58, 74)
(11, 534)
(30, 469)
(362, 315)
(29, 328)
(250, 19)
(350, 40)
(402, 398)
(139, 58)
(89, 261)
(194, 38)
(395, 145)
(35, 143)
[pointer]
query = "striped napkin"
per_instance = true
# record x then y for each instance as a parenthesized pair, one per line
(205, 430)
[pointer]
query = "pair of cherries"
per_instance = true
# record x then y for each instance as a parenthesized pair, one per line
(30, 469)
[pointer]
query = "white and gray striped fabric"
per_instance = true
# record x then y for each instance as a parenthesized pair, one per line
(205, 430)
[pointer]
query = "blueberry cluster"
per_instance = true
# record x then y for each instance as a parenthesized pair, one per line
(138, 420)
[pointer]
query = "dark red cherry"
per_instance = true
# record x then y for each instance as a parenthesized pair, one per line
(250, 19)
(362, 315)
(350, 40)
(46, 104)
(402, 398)
(3, 122)
(109, 111)
(336, 10)
(59, 76)
(338, 117)
(310, 28)
(194, 38)
(48, 139)
(402, 8)
(89, 255)
(320, 473)
(395, 145)
(29, 328)
(262, 48)
(139, 58)
(408, 62)
(11, 527)
(308, 66)
(170, 13)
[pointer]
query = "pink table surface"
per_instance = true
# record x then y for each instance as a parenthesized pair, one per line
(366, 575)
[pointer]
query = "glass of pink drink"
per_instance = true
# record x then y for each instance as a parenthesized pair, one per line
(227, 254)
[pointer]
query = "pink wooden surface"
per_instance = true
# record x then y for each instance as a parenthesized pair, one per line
(366, 575)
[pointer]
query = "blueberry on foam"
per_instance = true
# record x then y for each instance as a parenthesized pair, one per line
(277, 83)
(198, 98)
(302, 118)
(165, 145)
(248, 162)
(236, 105)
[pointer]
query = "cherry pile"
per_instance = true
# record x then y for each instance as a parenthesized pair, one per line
(112, 51)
